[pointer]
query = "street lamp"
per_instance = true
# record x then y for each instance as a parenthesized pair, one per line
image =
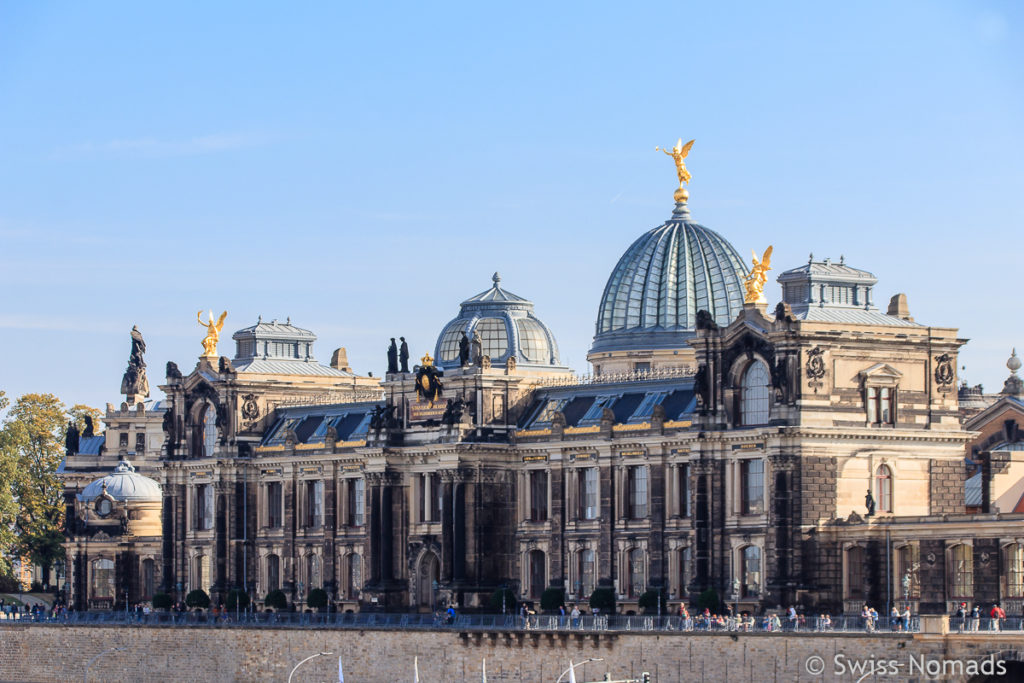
(318, 654)
(573, 666)
(116, 649)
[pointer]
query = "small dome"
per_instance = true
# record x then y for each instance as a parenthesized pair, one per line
(507, 327)
(124, 485)
(665, 277)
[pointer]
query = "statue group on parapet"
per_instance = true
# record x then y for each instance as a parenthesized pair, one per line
(470, 350)
(398, 355)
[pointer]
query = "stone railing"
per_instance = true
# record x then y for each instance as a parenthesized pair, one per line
(616, 377)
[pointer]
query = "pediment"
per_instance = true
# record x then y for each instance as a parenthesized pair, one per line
(881, 371)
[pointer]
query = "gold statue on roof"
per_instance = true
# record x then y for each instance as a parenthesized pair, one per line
(678, 154)
(212, 334)
(754, 282)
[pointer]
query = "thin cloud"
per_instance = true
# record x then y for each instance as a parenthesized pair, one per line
(155, 148)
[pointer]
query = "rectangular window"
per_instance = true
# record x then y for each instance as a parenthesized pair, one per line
(587, 574)
(587, 493)
(908, 566)
(538, 495)
(552, 406)
(881, 405)
(356, 501)
(637, 491)
(140, 443)
(430, 497)
(275, 508)
(1015, 570)
(684, 490)
(646, 407)
(962, 571)
(203, 517)
(684, 570)
(596, 409)
(752, 486)
(314, 503)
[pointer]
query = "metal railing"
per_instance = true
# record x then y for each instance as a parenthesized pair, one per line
(507, 622)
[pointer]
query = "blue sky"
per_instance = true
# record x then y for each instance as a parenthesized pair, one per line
(364, 169)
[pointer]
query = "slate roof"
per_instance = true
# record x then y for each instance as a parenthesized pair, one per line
(851, 316)
(631, 402)
(280, 366)
(310, 423)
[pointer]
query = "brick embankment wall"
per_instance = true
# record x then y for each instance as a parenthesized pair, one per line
(55, 653)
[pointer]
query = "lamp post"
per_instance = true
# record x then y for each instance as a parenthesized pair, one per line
(585, 661)
(318, 654)
(116, 649)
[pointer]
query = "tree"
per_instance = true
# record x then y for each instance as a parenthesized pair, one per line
(654, 601)
(162, 601)
(35, 429)
(552, 598)
(78, 413)
(317, 599)
(709, 600)
(236, 599)
(603, 599)
(197, 598)
(276, 600)
(503, 597)
(8, 503)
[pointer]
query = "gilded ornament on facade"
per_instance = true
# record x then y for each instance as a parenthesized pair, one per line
(212, 333)
(678, 154)
(754, 282)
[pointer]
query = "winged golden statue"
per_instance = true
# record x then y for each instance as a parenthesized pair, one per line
(212, 333)
(678, 154)
(754, 282)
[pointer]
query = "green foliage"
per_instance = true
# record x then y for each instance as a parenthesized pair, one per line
(709, 600)
(648, 602)
(9, 584)
(494, 604)
(197, 598)
(77, 414)
(276, 600)
(236, 599)
(552, 598)
(317, 598)
(603, 599)
(32, 443)
(162, 601)
(10, 440)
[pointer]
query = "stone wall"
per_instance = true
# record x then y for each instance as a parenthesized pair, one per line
(55, 653)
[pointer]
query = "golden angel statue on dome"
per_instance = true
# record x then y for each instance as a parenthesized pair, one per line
(754, 282)
(212, 333)
(678, 154)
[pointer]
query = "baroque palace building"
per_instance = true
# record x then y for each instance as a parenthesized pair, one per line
(819, 452)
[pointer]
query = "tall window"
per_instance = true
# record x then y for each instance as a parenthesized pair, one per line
(148, 579)
(538, 573)
(752, 486)
(201, 573)
(855, 573)
(538, 495)
(755, 395)
(314, 503)
(683, 573)
(356, 501)
(273, 573)
(637, 559)
(203, 517)
(637, 484)
(587, 493)
(586, 573)
(962, 571)
(355, 575)
(883, 488)
(908, 571)
(102, 578)
(750, 582)
(275, 505)
(209, 431)
(1014, 561)
(684, 490)
(881, 404)
(313, 578)
(430, 497)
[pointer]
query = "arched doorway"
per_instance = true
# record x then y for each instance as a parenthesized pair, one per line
(428, 575)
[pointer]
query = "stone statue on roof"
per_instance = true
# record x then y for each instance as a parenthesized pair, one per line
(476, 348)
(134, 383)
(464, 350)
(403, 355)
(393, 356)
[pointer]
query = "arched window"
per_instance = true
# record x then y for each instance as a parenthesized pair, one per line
(209, 431)
(961, 571)
(637, 579)
(883, 488)
(750, 582)
(355, 575)
(148, 578)
(1013, 556)
(683, 571)
(855, 573)
(538, 573)
(273, 573)
(102, 579)
(755, 394)
(312, 571)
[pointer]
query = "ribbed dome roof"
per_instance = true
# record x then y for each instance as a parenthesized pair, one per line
(124, 485)
(507, 327)
(665, 277)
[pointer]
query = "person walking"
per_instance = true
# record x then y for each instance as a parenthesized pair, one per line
(961, 617)
(975, 618)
